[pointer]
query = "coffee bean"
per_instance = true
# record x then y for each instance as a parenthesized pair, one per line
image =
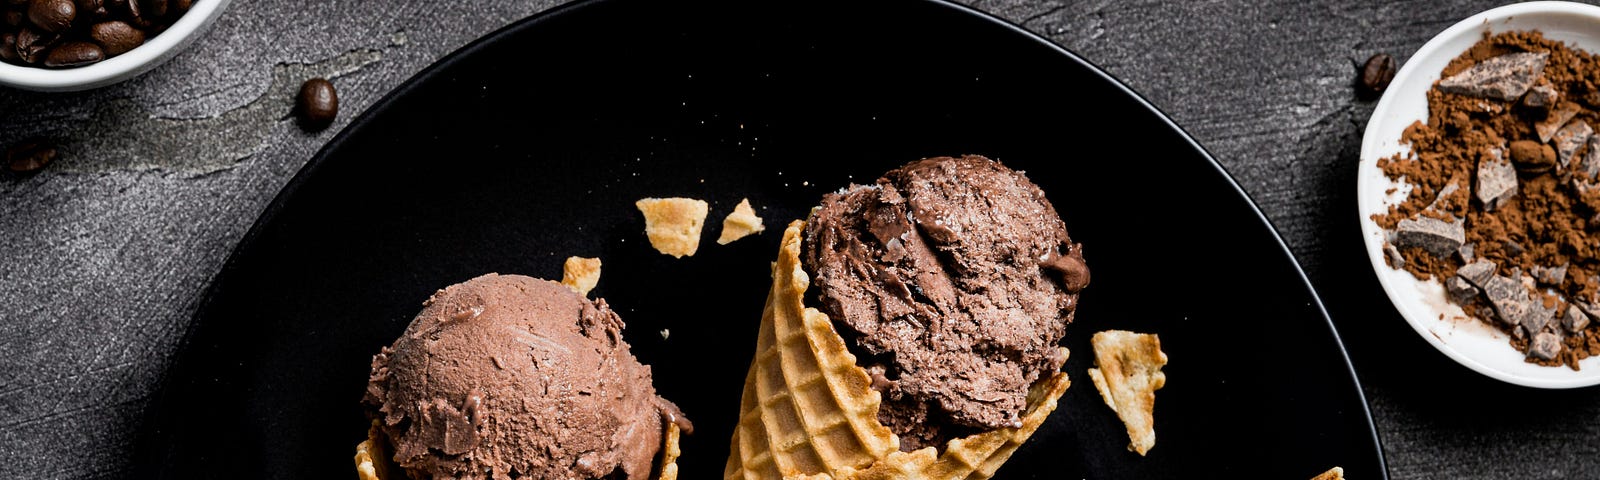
(318, 104)
(31, 44)
(109, 27)
(74, 54)
(116, 36)
(92, 9)
(30, 156)
(153, 8)
(8, 47)
(1378, 72)
(52, 15)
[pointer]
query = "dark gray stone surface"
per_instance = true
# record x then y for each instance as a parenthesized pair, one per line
(103, 257)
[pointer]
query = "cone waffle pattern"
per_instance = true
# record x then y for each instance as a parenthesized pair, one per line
(809, 412)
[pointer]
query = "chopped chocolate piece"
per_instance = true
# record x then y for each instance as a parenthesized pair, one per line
(1536, 317)
(1541, 96)
(1531, 156)
(1545, 345)
(1550, 275)
(1575, 319)
(1510, 300)
(1461, 291)
(1505, 77)
(1553, 121)
(1396, 260)
(1466, 252)
(1569, 138)
(1437, 236)
(1589, 308)
(1478, 273)
(1513, 248)
(1497, 182)
(1589, 167)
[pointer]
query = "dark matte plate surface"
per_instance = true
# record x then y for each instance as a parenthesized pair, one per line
(532, 144)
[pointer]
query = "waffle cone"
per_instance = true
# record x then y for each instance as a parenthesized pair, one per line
(373, 460)
(809, 412)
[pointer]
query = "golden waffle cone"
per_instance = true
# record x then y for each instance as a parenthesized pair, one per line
(372, 456)
(809, 412)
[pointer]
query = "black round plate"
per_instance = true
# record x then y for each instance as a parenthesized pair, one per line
(532, 145)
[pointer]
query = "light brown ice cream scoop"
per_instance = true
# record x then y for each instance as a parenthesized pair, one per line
(507, 376)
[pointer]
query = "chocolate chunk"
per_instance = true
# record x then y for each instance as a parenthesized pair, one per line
(1466, 252)
(1460, 290)
(1497, 182)
(1073, 272)
(1569, 138)
(1575, 320)
(1505, 77)
(1478, 273)
(1509, 299)
(1536, 316)
(1545, 345)
(1531, 156)
(1549, 275)
(1541, 96)
(1437, 236)
(1553, 121)
(1589, 167)
(1513, 248)
(1396, 260)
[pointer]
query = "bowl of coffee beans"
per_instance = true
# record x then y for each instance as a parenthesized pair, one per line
(66, 45)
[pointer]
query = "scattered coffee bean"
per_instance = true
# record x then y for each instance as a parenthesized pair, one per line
(74, 54)
(116, 36)
(84, 31)
(318, 104)
(52, 16)
(1378, 72)
(30, 156)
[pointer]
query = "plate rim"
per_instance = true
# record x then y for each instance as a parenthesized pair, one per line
(159, 400)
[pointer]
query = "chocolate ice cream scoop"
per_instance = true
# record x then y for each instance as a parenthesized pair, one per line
(506, 376)
(954, 279)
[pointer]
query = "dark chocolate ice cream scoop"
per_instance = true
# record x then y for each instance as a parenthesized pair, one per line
(954, 279)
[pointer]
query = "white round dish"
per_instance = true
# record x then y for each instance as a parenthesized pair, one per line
(153, 53)
(1469, 341)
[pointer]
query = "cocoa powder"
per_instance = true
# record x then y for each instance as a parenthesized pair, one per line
(1551, 218)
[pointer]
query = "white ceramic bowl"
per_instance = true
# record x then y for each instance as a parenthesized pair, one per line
(1469, 341)
(121, 67)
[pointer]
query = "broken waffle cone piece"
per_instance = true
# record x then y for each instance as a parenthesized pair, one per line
(373, 457)
(1334, 474)
(809, 412)
(1128, 376)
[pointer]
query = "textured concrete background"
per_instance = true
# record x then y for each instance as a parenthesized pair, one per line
(104, 256)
